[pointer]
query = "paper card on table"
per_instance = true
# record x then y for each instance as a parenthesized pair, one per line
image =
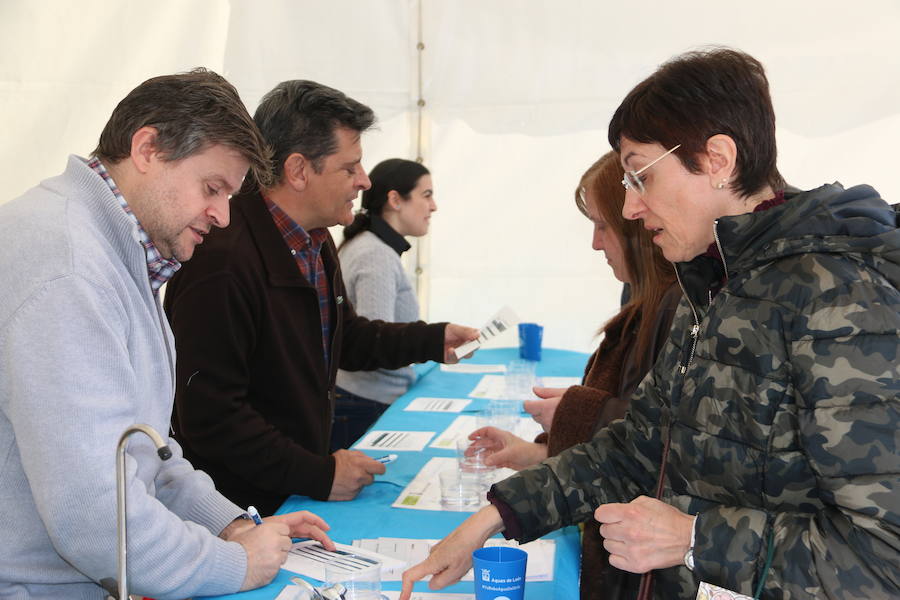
(459, 429)
(524, 427)
(503, 320)
(558, 382)
(424, 491)
(429, 596)
(394, 440)
(708, 591)
(309, 558)
(448, 405)
(491, 387)
(541, 554)
(473, 368)
(409, 551)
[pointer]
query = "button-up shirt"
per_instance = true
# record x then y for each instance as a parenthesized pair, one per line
(159, 269)
(306, 248)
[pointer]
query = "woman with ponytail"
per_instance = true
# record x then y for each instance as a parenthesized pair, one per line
(398, 204)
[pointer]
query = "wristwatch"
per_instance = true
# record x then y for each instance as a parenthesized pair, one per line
(689, 558)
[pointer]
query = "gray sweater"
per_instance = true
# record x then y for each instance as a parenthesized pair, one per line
(379, 288)
(85, 351)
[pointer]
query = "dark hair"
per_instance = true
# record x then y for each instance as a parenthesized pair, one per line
(650, 273)
(697, 95)
(190, 112)
(301, 116)
(394, 174)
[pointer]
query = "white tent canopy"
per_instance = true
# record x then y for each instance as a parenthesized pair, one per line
(517, 95)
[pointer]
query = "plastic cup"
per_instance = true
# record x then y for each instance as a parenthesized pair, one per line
(499, 573)
(519, 379)
(460, 491)
(530, 335)
(359, 583)
(469, 459)
(504, 413)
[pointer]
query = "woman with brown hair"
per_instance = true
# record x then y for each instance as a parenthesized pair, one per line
(631, 341)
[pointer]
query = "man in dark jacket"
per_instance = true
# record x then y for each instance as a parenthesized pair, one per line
(262, 322)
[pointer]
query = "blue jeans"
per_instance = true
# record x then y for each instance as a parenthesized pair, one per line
(353, 415)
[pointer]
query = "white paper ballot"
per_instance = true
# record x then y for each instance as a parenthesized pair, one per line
(473, 368)
(308, 558)
(558, 382)
(523, 426)
(424, 491)
(459, 429)
(447, 405)
(490, 387)
(503, 320)
(541, 555)
(394, 440)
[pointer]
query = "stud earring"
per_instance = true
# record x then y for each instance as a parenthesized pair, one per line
(721, 185)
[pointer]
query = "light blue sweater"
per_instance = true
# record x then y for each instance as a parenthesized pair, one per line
(379, 288)
(85, 351)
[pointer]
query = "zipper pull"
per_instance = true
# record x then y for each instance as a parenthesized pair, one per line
(695, 330)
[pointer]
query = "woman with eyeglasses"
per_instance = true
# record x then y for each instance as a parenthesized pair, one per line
(398, 204)
(631, 342)
(774, 409)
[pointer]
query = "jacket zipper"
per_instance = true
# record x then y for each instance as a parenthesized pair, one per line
(694, 330)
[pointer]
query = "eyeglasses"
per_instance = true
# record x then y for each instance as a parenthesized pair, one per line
(631, 179)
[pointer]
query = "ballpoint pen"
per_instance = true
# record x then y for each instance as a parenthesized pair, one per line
(387, 459)
(254, 514)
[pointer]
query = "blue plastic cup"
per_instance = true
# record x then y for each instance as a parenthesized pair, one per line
(499, 573)
(530, 335)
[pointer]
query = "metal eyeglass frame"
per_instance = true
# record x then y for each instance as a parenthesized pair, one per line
(631, 179)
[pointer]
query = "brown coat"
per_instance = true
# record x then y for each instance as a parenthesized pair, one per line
(254, 399)
(612, 374)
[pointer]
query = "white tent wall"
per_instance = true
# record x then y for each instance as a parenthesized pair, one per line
(517, 95)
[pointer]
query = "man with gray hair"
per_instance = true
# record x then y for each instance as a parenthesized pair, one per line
(86, 352)
(263, 322)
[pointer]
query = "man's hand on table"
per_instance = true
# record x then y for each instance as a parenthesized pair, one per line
(267, 545)
(452, 557)
(454, 336)
(353, 470)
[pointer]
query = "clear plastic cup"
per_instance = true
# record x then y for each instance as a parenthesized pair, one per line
(520, 379)
(461, 490)
(470, 458)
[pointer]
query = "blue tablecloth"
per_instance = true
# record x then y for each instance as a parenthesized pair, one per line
(370, 515)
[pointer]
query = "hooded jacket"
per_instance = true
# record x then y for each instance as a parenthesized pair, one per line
(780, 394)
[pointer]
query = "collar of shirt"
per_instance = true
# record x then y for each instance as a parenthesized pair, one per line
(297, 239)
(388, 235)
(159, 269)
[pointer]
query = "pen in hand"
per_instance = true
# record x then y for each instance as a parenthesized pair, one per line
(254, 514)
(387, 459)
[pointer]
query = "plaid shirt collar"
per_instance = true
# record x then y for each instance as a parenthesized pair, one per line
(297, 238)
(159, 269)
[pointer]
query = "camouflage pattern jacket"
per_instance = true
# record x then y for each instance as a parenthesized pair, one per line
(782, 398)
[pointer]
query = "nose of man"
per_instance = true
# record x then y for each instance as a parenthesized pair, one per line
(363, 181)
(219, 213)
